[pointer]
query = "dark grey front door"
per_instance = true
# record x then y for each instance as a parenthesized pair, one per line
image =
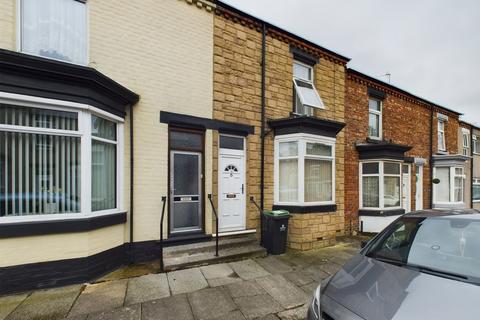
(185, 191)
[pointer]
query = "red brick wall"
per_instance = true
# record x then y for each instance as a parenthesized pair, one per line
(405, 121)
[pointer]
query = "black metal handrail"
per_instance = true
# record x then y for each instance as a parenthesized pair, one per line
(216, 223)
(252, 200)
(164, 200)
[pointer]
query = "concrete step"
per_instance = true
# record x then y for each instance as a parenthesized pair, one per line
(206, 246)
(201, 258)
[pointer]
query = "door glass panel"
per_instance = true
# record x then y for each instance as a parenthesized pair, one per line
(186, 174)
(234, 143)
(185, 140)
(186, 215)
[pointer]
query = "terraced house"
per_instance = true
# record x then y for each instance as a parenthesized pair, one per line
(402, 154)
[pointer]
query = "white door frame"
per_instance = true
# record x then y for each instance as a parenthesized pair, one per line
(232, 152)
(419, 186)
(407, 195)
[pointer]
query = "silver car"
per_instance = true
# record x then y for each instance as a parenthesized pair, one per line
(425, 265)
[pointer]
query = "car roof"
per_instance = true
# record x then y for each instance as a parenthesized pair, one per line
(460, 213)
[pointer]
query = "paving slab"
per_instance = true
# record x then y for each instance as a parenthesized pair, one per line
(254, 307)
(211, 303)
(171, 308)
(310, 288)
(287, 294)
(219, 275)
(127, 313)
(47, 304)
(316, 272)
(274, 265)
(299, 278)
(330, 268)
(147, 288)
(9, 303)
(269, 317)
(245, 289)
(248, 269)
(100, 297)
(185, 281)
(299, 313)
(234, 315)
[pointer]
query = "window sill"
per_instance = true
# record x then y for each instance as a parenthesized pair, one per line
(58, 226)
(306, 209)
(381, 212)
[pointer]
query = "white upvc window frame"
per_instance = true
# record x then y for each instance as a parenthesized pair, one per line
(298, 96)
(441, 131)
(451, 187)
(475, 142)
(302, 140)
(19, 39)
(465, 142)
(380, 118)
(84, 112)
(381, 187)
(475, 182)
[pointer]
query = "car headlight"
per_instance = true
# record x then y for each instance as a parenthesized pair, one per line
(316, 302)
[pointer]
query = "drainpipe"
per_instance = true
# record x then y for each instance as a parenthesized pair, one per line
(131, 185)
(262, 129)
(431, 157)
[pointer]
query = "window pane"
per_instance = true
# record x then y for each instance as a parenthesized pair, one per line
(318, 180)
(308, 94)
(391, 189)
(441, 125)
(374, 105)
(391, 168)
(39, 174)
(405, 168)
(288, 149)
(38, 118)
(228, 142)
(300, 108)
(104, 180)
(476, 192)
(443, 188)
(459, 185)
(103, 128)
(459, 171)
(55, 29)
(185, 140)
(370, 168)
(319, 149)
(441, 141)
(302, 72)
(370, 194)
(374, 125)
(288, 180)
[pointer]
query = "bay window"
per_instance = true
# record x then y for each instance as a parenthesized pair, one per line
(380, 185)
(451, 185)
(304, 170)
(55, 29)
(57, 161)
(305, 93)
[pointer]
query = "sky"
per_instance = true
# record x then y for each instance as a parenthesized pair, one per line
(431, 48)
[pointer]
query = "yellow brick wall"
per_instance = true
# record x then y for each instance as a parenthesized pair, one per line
(237, 98)
(161, 50)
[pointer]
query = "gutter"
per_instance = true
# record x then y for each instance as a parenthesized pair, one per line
(131, 185)
(262, 129)
(431, 157)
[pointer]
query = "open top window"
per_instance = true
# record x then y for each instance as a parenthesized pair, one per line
(306, 96)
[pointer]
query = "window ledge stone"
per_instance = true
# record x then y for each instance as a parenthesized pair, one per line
(331, 208)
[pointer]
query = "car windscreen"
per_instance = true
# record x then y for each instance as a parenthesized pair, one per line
(442, 245)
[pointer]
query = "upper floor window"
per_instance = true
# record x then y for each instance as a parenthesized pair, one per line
(441, 135)
(466, 142)
(306, 96)
(374, 118)
(55, 29)
(475, 144)
(304, 170)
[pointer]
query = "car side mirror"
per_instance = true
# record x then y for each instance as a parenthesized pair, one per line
(363, 244)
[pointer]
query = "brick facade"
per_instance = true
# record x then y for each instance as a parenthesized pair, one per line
(237, 98)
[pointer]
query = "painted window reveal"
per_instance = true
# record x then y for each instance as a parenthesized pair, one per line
(304, 172)
(374, 118)
(306, 95)
(380, 185)
(43, 169)
(451, 185)
(55, 29)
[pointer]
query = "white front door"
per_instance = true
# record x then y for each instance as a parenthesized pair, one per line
(406, 187)
(231, 184)
(419, 187)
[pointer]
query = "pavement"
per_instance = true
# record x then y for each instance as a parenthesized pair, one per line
(269, 288)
